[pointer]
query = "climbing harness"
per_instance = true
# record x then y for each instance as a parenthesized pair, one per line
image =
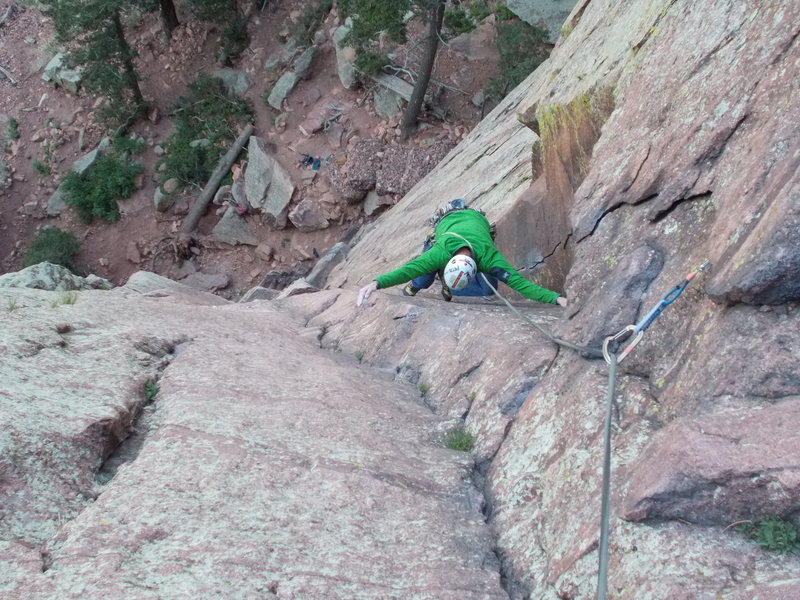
(608, 352)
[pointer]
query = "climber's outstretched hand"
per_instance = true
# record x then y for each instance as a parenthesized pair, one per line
(365, 291)
(561, 301)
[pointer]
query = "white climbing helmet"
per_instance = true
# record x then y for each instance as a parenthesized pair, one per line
(459, 272)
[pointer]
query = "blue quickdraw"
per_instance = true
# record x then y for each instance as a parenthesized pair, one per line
(638, 330)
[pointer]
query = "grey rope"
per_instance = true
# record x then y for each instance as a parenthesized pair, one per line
(592, 351)
(605, 507)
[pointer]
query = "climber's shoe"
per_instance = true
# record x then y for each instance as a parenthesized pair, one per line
(446, 293)
(410, 290)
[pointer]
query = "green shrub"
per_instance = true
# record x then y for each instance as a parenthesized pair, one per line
(371, 63)
(504, 13)
(209, 113)
(42, 168)
(51, 244)
(150, 391)
(479, 11)
(13, 129)
(95, 193)
(68, 297)
(234, 39)
(522, 48)
(459, 439)
(458, 21)
(774, 534)
(132, 145)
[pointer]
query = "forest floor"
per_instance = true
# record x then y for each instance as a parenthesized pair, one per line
(51, 117)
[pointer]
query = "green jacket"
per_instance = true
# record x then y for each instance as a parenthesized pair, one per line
(472, 226)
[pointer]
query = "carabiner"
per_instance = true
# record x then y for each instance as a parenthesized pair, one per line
(620, 336)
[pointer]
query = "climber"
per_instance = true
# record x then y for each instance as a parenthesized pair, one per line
(462, 252)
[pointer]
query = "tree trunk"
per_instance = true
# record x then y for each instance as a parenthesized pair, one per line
(126, 54)
(169, 17)
(222, 168)
(426, 68)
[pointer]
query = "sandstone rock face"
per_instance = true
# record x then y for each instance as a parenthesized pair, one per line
(656, 136)
(690, 157)
(740, 465)
(291, 472)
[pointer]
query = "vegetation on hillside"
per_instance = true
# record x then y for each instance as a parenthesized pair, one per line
(53, 245)
(206, 121)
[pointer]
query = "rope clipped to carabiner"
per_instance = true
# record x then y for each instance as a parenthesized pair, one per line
(613, 360)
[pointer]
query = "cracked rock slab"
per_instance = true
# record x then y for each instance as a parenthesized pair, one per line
(720, 469)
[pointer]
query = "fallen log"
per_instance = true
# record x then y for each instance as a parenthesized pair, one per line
(222, 168)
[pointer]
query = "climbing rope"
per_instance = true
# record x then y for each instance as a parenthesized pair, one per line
(609, 352)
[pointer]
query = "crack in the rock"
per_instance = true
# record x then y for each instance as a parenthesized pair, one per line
(47, 560)
(467, 373)
(612, 209)
(785, 50)
(665, 212)
(638, 170)
(545, 257)
(716, 149)
(707, 58)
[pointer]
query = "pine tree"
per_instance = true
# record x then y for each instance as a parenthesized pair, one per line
(93, 32)
(374, 17)
(169, 16)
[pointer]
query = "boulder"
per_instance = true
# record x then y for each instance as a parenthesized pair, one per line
(480, 44)
(232, 229)
(162, 201)
(307, 216)
(297, 287)
(259, 293)
(57, 201)
(50, 277)
(236, 82)
(386, 102)
(402, 166)
(268, 186)
(56, 64)
(345, 57)
(374, 202)
(319, 274)
(359, 174)
(281, 90)
(162, 288)
(302, 64)
(57, 72)
(207, 282)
